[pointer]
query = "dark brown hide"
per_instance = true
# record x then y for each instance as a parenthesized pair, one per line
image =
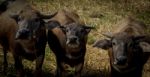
(8, 28)
(30, 39)
(68, 59)
(127, 47)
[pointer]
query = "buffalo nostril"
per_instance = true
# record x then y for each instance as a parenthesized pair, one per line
(24, 31)
(121, 60)
(73, 40)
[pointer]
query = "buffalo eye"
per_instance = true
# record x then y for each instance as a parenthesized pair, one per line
(36, 19)
(113, 42)
(20, 18)
(82, 30)
(66, 30)
(130, 44)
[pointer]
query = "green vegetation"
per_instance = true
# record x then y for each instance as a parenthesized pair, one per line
(103, 14)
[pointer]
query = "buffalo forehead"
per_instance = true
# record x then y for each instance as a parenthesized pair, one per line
(74, 26)
(29, 13)
(122, 36)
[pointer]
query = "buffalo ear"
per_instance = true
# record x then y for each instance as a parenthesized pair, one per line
(52, 24)
(145, 46)
(138, 38)
(104, 44)
(15, 17)
(63, 29)
(108, 34)
(88, 28)
(42, 16)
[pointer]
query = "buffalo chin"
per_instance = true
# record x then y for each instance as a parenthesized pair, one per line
(121, 66)
(124, 70)
(73, 46)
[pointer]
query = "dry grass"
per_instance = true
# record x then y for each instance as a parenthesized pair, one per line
(102, 14)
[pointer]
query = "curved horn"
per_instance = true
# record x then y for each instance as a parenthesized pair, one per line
(108, 34)
(89, 27)
(140, 37)
(46, 16)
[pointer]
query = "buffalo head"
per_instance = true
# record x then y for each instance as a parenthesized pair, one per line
(30, 21)
(124, 50)
(75, 34)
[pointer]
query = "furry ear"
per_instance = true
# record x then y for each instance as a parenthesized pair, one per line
(138, 38)
(15, 17)
(63, 29)
(88, 28)
(52, 24)
(108, 34)
(104, 44)
(42, 16)
(143, 41)
(145, 46)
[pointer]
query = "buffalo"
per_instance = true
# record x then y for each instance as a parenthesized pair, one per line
(30, 39)
(128, 48)
(7, 31)
(68, 42)
(8, 28)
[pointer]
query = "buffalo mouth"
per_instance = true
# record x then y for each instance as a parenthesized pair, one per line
(120, 66)
(124, 68)
(22, 37)
(73, 44)
(71, 47)
(22, 34)
(25, 37)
